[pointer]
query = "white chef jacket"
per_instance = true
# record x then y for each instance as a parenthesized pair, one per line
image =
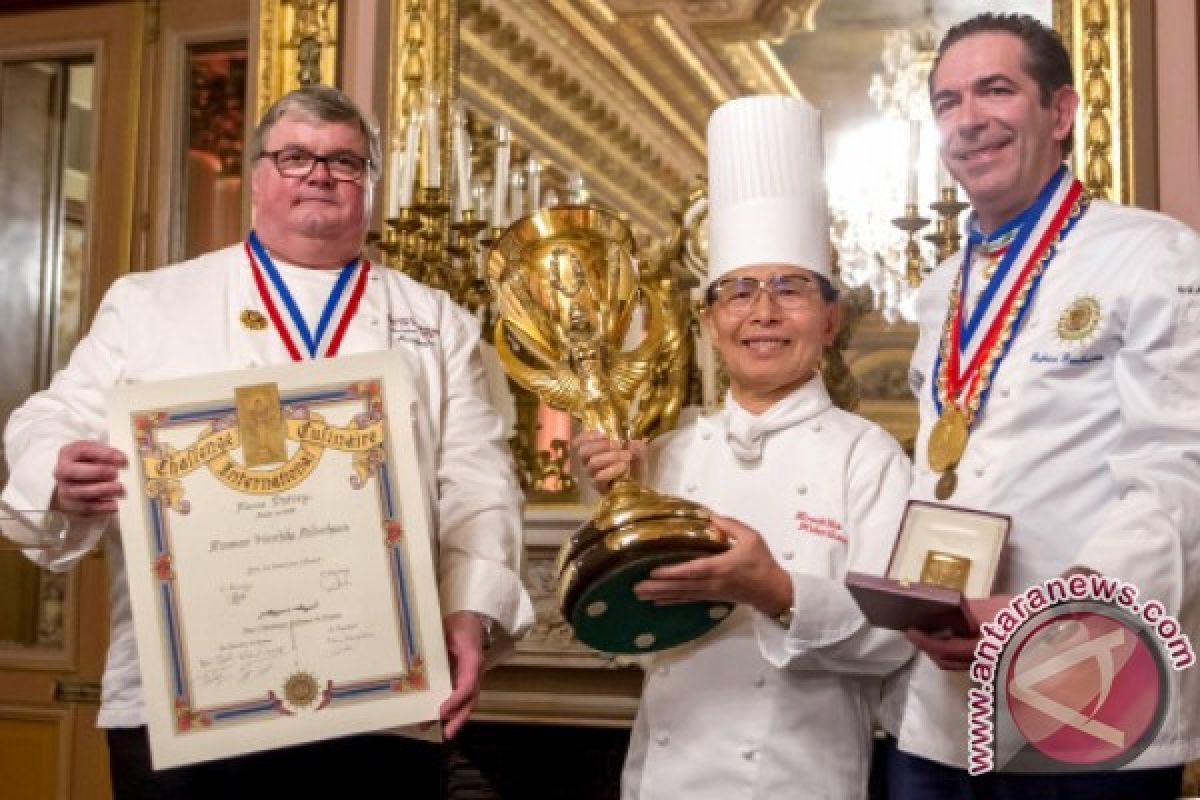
(752, 710)
(183, 320)
(1091, 446)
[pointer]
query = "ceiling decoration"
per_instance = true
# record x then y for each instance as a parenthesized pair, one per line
(624, 87)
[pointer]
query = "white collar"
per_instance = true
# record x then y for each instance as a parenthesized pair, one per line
(746, 432)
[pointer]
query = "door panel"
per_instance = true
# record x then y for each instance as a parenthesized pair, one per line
(69, 85)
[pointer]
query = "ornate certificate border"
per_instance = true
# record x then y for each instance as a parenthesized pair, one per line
(380, 471)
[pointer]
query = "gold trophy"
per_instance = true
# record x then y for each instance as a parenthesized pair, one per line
(567, 290)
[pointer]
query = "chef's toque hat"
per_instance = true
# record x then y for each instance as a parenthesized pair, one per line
(766, 186)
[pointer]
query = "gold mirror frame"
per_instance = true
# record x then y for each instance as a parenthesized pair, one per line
(297, 45)
(1098, 35)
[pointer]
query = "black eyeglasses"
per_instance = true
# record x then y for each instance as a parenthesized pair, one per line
(296, 162)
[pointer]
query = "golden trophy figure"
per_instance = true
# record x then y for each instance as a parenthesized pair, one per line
(567, 290)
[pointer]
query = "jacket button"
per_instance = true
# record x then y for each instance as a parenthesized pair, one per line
(663, 739)
(760, 682)
(750, 754)
(802, 488)
(691, 487)
(979, 472)
(706, 435)
(816, 427)
(787, 555)
(1005, 391)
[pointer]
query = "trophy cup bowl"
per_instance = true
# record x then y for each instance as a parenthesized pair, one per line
(567, 290)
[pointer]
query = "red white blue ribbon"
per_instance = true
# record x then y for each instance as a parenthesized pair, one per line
(1038, 230)
(285, 315)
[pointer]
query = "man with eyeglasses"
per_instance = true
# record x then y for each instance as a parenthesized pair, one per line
(299, 287)
(777, 701)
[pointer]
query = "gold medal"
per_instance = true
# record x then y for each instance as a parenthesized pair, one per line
(946, 485)
(253, 320)
(948, 439)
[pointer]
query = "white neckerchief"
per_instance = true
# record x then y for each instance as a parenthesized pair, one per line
(746, 432)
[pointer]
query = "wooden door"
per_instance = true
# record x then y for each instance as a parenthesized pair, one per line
(68, 129)
(100, 105)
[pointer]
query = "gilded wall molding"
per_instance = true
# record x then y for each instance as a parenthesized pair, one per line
(297, 46)
(561, 111)
(1097, 34)
(756, 67)
(631, 49)
(424, 54)
(550, 127)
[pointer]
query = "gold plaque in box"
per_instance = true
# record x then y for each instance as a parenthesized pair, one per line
(943, 557)
(260, 424)
(945, 570)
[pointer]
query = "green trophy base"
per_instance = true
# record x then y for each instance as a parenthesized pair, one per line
(609, 617)
(636, 530)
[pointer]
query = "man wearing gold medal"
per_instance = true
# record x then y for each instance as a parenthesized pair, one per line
(298, 288)
(1057, 371)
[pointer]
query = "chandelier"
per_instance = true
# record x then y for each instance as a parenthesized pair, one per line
(886, 165)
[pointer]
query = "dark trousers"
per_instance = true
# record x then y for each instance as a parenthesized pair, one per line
(393, 766)
(911, 777)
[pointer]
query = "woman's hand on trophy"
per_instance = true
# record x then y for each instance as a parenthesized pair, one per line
(606, 460)
(746, 573)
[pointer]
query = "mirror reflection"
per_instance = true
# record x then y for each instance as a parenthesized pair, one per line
(211, 213)
(46, 145)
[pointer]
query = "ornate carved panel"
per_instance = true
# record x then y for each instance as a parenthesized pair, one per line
(1097, 32)
(297, 46)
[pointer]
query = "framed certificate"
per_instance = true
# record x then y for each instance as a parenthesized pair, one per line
(278, 551)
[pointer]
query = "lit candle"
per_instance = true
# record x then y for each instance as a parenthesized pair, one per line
(462, 159)
(412, 143)
(534, 168)
(576, 189)
(914, 158)
(516, 196)
(945, 179)
(395, 180)
(500, 187)
(433, 145)
(479, 195)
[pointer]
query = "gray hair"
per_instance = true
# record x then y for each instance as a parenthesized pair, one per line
(326, 104)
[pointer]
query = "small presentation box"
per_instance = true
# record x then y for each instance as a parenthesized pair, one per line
(943, 556)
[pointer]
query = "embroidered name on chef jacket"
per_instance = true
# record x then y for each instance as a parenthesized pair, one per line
(820, 526)
(407, 329)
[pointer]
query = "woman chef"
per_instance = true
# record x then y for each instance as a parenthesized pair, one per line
(775, 702)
